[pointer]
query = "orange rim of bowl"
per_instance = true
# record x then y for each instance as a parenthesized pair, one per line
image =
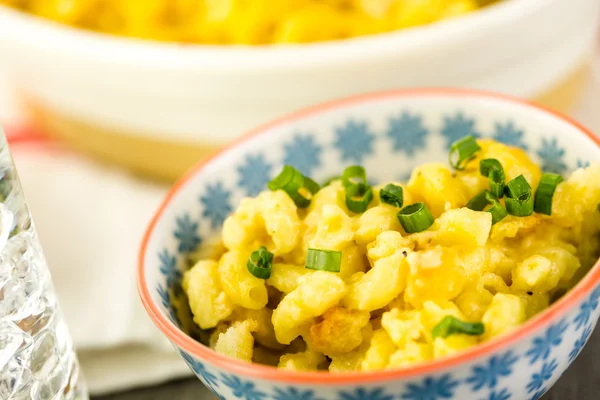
(186, 343)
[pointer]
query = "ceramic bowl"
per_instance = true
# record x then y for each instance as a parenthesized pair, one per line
(389, 133)
(130, 101)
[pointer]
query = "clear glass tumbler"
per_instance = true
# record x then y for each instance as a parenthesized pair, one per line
(37, 360)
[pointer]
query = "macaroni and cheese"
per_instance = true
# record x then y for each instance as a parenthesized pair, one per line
(245, 21)
(350, 277)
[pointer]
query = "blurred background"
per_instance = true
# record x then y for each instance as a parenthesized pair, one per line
(106, 102)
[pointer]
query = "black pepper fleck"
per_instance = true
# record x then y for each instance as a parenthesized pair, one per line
(404, 253)
(530, 293)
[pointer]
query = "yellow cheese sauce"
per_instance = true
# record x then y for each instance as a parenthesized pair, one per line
(383, 293)
(245, 21)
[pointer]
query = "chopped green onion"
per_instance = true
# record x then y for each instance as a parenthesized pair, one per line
(323, 260)
(299, 187)
(289, 176)
(519, 199)
(478, 202)
(517, 187)
(358, 197)
(486, 201)
(462, 151)
(259, 263)
(521, 206)
(492, 169)
(358, 192)
(496, 209)
(354, 175)
(392, 194)
(488, 165)
(312, 186)
(450, 325)
(497, 182)
(545, 192)
(415, 218)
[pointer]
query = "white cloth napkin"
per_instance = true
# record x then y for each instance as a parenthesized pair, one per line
(90, 219)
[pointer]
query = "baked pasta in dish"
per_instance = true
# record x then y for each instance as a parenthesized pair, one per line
(245, 21)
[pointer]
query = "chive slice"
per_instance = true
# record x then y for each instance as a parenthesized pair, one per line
(392, 194)
(519, 199)
(289, 176)
(354, 175)
(521, 206)
(323, 260)
(462, 151)
(450, 325)
(492, 169)
(260, 263)
(478, 202)
(545, 192)
(415, 218)
(310, 185)
(358, 192)
(488, 165)
(299, 187)
(517, 187)
(496, 179)
(358, 197)
(486, 201)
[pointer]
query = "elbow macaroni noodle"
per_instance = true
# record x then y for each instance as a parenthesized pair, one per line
(393, 288)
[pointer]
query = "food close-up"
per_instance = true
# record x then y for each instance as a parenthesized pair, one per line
(353, 277)
(299, 199)
(253, 22)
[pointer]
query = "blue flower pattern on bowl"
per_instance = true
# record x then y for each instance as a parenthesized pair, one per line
(543, 345)
(216, 204)
(187, 234)
(407, 133)
(168, 267)
(254, 174)
(582, 163)
(552, 156)
(537, 395)
(292, 393)
(525, 370)
(241, 389)
(508, 133)
(538, 379)
(303, 153)
(580, 342)
(365, 394)
(489, 374)
(208, 378)
(354, 141)
(165, 299)
(586, 309)
(432, 389)
(503, 394)
(457, 126)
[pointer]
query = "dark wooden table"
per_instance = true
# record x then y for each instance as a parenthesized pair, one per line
(580, 382)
